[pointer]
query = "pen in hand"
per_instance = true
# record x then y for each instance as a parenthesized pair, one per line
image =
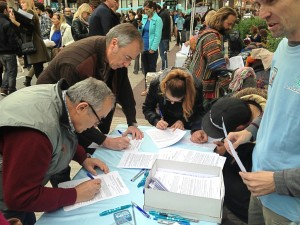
(90, 175)
(120, 132)
(160, 113)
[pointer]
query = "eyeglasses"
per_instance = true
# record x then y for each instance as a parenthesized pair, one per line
(93, 110)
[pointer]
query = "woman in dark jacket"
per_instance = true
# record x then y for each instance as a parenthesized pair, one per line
(80, 26)
(30, 30)
(174, 100)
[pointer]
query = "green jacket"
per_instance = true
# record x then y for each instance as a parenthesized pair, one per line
(44, 111)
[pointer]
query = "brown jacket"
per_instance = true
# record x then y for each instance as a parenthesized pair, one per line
(33, 30)
(87, 58)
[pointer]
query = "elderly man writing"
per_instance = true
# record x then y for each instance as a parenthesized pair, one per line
(38, 127)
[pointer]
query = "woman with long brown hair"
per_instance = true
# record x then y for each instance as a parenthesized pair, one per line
(174, 100)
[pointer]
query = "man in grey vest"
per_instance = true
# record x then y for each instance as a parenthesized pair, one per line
(44, 119)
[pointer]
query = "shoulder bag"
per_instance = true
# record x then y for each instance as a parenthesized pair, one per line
(28, 48)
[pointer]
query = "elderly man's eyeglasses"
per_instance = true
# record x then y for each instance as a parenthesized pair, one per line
(93, 110)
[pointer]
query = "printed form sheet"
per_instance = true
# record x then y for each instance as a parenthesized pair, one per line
(165, 138)
(112, 186)
(190, 185)
(142, 160)
(145, 160)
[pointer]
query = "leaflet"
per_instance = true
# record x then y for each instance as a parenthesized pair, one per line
(112, 186)
(165, 138)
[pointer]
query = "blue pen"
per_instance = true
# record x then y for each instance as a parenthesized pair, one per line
(110, 211)
(120, 132)
(171, 219)
(160, 113)
(141, 210)
(90, 175)
(155, 213)
(143, 181)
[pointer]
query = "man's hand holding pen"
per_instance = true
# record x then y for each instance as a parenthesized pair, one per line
(118, 143)
(87, 190)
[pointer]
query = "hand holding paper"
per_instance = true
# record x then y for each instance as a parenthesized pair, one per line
(233, 152)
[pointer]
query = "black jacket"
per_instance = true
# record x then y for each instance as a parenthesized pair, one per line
(102, 20)
(8, 36)
(155, 101)
(79, 29)
(165, 17)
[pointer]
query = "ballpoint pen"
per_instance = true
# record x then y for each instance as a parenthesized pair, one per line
(143, 181)
(141, 210)
(172, 219)
(155, 213)
(90, 175)
(140, 173)
(120, 132)
(107, 212)
(160, 113)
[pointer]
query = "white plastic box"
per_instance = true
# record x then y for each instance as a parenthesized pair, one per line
(193, 207)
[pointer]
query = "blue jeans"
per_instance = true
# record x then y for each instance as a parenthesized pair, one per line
(163, 50)
(10, 67)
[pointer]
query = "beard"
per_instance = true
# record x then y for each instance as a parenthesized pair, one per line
(224, 31)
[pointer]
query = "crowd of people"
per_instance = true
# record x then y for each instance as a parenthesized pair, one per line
(74, 101)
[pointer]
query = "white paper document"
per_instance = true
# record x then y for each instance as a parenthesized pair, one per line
(190, 185)
(112, 186)
(143, 160)
(26, 14)
(235, 62)
(185, 49)
(165, 138)
(191, 156)
(233, 152)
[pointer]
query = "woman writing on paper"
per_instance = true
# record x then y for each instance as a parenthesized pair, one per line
(174, 100)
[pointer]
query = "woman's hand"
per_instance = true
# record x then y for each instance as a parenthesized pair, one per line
(162, 125)
(199, 137)
(178, 125)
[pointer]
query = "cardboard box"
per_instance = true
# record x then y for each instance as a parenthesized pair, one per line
(194, 207)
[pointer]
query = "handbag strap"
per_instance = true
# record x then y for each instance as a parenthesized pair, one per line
(62, 34)
(25, 37)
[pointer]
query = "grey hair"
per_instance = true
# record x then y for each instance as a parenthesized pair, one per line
(92, 91)
(126, 33)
